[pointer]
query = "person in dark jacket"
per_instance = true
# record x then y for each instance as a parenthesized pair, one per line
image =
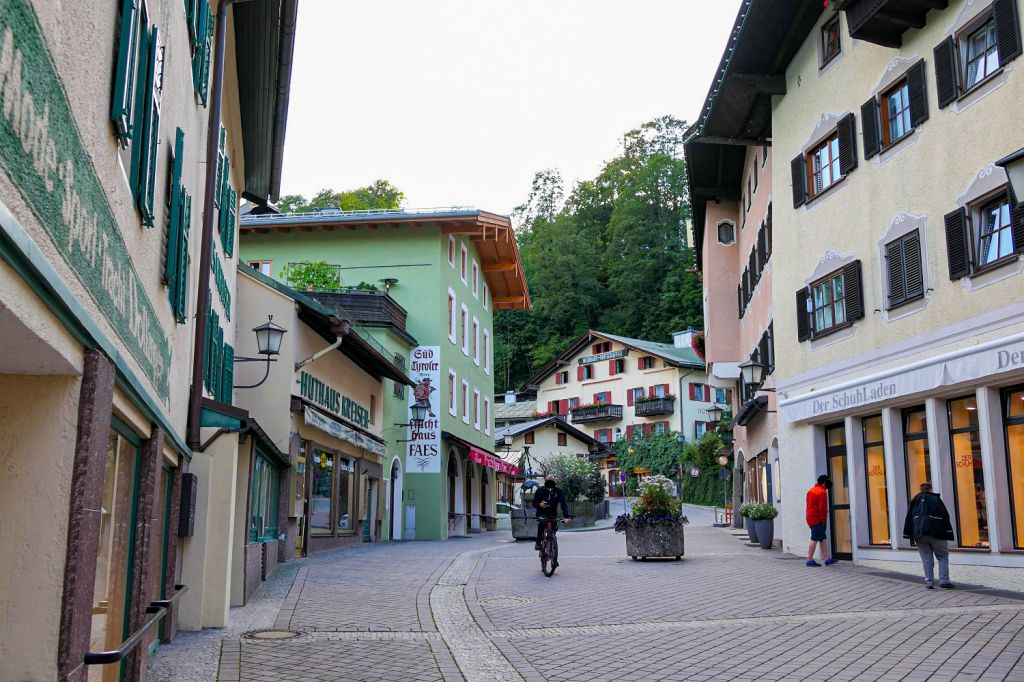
(546, 502)
(928, 525)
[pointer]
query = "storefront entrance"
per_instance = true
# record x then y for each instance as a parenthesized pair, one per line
(394, 511)
(839, 499)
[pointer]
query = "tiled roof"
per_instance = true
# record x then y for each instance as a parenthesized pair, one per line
(517, 410)
(686, 356)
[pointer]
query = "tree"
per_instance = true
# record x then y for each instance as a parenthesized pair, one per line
(312, 276)
(381, 194)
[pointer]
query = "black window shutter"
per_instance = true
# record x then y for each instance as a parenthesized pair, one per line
(1007, 30)
(847, 131)
(752, 269)
(803, 327)
(918, 90)
(1016, 221)
(762, 349)
(762, 248)
(896, 273)
(956, 244)
(945, 72)
(799, 170)
(854, 288)
(739, 299)
(913, 272)
(869, 121)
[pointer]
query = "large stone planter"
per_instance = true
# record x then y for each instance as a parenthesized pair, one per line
(765, 531)
(655, 541)
(524, 524)
(748, 523)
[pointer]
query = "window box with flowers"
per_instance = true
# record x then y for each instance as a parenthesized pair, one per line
(595, 412)
(649, 406)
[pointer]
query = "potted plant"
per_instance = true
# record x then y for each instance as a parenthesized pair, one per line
(763, 515)
(654, 527)
(748, 522)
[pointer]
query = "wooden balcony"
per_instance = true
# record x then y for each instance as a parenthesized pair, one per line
(883, 22)
(598, 413)
(365, 307)
(650, 408)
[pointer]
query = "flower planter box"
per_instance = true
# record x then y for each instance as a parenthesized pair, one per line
(765, 531)
(655, 541)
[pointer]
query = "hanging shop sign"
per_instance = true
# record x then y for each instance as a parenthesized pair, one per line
(491, 462)
(978, 362)
(342, 432)
(42, 152)
(332, 400)
(610, 355)
(424, 453)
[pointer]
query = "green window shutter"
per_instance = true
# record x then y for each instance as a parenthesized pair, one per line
(181, 279)
(125, 75)
(206, 49)
(228, 374)
(218, 367)
(221, 169)
(174, 220)
(139, 108)
(149, 141)
(228, 213)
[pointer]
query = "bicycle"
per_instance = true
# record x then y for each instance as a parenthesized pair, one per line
(549, 549)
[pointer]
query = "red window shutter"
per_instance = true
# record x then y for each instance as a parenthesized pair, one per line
(611, 368)
(563, 406)
(707, 393)
(552, 406)
(665, 425)
(665, 390)
(629, 432)
(693, 391)
(597, 435)
(579, 373)
(594, 348)
(558, 378)
(640, 363)
(629, 397)
(648, 428)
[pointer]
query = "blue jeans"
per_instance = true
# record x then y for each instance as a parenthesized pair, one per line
(928, 546)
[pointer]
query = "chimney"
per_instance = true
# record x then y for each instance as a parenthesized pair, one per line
(510, 397)
(683, 339)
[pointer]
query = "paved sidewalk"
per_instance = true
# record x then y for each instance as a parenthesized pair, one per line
(479, 609)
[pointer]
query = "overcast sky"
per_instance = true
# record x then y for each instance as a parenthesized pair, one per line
(460, 102)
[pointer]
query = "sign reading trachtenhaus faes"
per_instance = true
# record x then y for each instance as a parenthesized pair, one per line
(331, 399)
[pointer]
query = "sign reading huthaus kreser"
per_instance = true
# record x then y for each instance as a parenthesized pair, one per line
(424, 453)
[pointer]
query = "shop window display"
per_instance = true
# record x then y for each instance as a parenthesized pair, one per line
(874, 470)
(968, 473)
(1013, 414)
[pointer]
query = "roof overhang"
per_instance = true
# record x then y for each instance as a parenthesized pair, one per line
(737, 111)
(883, 22)
(264, 47)
(751, 409)
(492, 234)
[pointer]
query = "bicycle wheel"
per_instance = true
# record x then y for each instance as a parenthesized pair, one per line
(550, 563)
(544, 558)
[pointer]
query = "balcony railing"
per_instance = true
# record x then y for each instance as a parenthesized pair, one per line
(596, 413)
(649, 408)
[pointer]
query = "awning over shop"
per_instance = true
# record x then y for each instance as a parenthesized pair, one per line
(492, 461)
(751, 409)
(342, 432)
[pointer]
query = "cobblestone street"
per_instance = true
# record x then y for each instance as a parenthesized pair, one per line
(479, 609)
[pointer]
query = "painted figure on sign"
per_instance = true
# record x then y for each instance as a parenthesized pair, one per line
(422, 395)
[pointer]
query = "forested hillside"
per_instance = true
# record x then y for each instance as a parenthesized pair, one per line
(612, 254)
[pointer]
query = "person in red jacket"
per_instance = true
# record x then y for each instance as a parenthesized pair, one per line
(817, 519)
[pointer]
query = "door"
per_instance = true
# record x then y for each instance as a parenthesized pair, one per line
(300, 504)
(394, 533)
(839, 499)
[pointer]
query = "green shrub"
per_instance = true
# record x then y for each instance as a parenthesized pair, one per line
(745, 510)
(762, 512)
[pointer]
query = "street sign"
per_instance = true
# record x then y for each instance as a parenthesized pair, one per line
(723, 474)
(622, 477)
(642, 471)
(723, 460)
(695, 472)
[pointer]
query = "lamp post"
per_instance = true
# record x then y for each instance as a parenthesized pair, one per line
(268, 344)
(1014, 167)
(417, 415)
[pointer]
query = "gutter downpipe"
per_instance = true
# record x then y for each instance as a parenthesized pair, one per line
(195, 398)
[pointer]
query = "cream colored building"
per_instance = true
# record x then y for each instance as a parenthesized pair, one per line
(103, 161)
(897, 305)
(613, 387)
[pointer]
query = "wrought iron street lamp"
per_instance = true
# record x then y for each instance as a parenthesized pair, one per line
(268, 344)
(1014, 167)
(752, 372)
(715, 413)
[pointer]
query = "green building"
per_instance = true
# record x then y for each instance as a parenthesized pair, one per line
(448, 271)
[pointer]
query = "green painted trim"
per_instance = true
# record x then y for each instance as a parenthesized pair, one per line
(219, 420)
(19, 250)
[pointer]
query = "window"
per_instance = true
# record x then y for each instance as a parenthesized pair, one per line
(964, 61)
(574, 402)
(452, 380)
(179, 224)
(603, 398)
(660, 427)
(1013, 421)
(915, 449)
(463, 265)
(263, 266)
(451, 315)
(896, 113)
(968, 475)
(980, 54)
(487, 352)
(823, 162)
(487, 415)
(476, 280)
(603, 436)
(993, 237)
(700, 428)
(373, 408)
(263, 500)
(699, 392)
(661, 390)
(322, 493)
(451, 251)
(476, 341)
(528, 438)
(646, 362)
(829, 303)
(723, 396)
(584, 372)
(874, 471)
(617, 366)
(486, 296)
(200, 32)
(563, 440)
(903, 269)
(465, 330)
(726, 233)
(476, 409)
(984, 234)
(399, 390)
(562, 377)
(603, 347)
(465, 401)
(831, 43)
(633, 394)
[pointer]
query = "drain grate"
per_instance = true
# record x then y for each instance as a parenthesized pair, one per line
(505, 601)
(271, 634)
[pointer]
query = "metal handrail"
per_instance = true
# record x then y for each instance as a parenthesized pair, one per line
(319, 213)
(159, 609)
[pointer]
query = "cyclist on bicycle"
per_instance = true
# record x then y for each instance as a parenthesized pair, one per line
(546, 502)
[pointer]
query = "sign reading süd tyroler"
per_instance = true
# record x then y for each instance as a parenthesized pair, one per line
(42, 152)
(610, 355)
(332, 400)
(424, 455)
